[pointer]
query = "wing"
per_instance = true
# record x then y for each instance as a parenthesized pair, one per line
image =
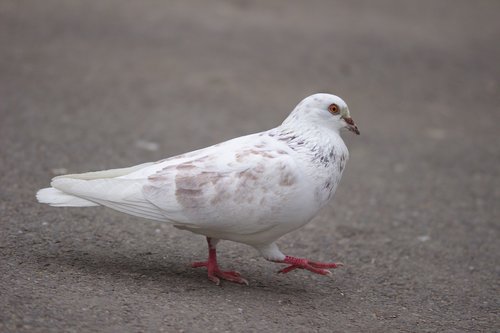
(235, 190)
(238, 186)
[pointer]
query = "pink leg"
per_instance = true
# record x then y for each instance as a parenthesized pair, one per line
(313, 266)
(214, 273)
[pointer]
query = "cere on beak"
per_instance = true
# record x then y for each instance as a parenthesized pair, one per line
(351, 126)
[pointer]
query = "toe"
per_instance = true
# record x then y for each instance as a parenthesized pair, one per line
(239, 280)
(232, 277)
(317, 270)
(287, 269)
(232, 273)
(324, 264)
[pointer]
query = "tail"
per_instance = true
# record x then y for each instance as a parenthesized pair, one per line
(104, 188)
(124, 195)
(57, 198)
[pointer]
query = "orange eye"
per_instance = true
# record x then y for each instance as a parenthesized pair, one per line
(334, 109)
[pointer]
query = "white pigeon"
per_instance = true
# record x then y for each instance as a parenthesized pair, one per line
(252, 189)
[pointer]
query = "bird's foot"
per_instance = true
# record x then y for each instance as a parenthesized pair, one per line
(215, 274)
(312, 266)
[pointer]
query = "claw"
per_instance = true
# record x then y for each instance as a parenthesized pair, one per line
(214, 279)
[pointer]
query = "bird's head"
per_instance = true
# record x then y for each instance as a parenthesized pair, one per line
(323, 110)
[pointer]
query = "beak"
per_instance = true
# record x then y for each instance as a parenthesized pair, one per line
(351, 126)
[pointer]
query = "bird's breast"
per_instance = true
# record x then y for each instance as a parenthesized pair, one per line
(325, 167)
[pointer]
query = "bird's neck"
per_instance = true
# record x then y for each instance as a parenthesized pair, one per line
(309, 139)
(309, 134)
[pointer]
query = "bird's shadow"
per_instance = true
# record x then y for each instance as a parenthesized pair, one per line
(172, 273)
(114, 264)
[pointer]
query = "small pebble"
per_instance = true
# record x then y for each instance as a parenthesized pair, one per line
(147, 145)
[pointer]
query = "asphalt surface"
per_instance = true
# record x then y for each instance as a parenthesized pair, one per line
(94, 85)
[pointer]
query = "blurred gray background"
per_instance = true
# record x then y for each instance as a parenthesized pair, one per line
(88, 85)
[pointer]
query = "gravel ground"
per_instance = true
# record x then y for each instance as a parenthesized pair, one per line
(88, 85)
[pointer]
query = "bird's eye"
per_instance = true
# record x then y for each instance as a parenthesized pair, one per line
(334, 109)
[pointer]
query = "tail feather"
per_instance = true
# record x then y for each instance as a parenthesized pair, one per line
(57, 198)
(124, 195)
(105, 188)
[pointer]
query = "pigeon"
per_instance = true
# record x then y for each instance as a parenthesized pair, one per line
(252, 189)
